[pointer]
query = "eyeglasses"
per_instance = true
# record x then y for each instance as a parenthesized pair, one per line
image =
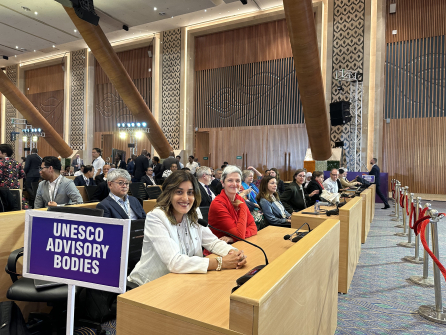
(301, 176)
(333, 174)
(45, 167)
(122, 183)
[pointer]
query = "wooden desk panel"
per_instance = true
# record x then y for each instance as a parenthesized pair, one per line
(197, 303)
(350, 216)
(366, 208)
(149, 205)
(372, 203)
(83, 193)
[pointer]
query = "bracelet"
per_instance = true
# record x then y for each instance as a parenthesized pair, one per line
(220, 263)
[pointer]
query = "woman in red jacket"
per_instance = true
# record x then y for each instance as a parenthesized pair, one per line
(228, 210)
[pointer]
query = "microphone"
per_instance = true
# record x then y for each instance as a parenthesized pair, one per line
(324, 203)
(288, 237)
(243, 279)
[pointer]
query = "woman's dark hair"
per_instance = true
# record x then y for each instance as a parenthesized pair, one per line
(316, 174)
(88, 168)
(169, 188)
(296, 173)
(277, 174)
(52, 161)
(6, 149)
(263, 190)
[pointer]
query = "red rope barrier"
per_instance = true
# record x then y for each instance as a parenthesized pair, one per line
(420, 220)
(401, 200)
(412, 212)
(407, 205)
(426, 247)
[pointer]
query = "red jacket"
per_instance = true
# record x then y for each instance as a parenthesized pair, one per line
(224, 216)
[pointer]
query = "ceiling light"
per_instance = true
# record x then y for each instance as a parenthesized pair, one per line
(35, 13)
(75, 30)
(34, 50)
(16, 47)
(154, 8)
(138, 135)
(205, 10)
(122, 134)
(54, 46)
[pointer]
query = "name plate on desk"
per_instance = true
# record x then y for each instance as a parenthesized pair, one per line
(369, 178)
(76, 249)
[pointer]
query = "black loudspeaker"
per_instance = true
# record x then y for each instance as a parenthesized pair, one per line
(340, 113)
(339, 144)
(131, 145)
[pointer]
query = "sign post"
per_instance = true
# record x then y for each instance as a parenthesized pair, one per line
(91, 253)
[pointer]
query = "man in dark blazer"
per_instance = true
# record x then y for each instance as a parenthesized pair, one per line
(103, 176)
(169, 161)
(216, 181)
(85, 179)
(157, 168)
(102, 191)
(119, 204)
(204, 180)
(141, 165)
(375, 171)
(32, 166)
(148, 177)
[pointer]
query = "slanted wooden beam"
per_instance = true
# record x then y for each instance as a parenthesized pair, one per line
(32, 115)
(112, 66)
(301, 28)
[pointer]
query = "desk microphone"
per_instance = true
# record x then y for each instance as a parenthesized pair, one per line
(288, 237)
(243, 279)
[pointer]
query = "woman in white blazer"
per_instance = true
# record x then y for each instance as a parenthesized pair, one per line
(173, 239)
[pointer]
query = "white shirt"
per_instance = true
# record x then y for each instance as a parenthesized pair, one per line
(78, 173)
(167, 173)
(330, 185)
(87, 181)
(193, 167)
(98, 163)
(204, 186)
(52, 188)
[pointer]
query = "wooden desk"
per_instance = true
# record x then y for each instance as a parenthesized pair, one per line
(366, 216)
(372, 203)
(83, 193)
(70, 177)
(203, 303)
(350, 216)
(149, 205)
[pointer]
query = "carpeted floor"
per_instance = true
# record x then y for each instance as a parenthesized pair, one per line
(381, 300)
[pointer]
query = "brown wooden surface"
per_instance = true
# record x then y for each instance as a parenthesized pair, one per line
(416, 19)
(202, 147)
(120, 143)
(366, 209)
(83, 193)
(44, 79)
(372, 203)
(200, 303)
(422, 143)
(265, 41)
(148, 205)
(350, 216)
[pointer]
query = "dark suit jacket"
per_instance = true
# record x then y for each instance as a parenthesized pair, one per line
(74, 163)
(205, 200)
(339, 185)
(214, 185)
(131, 167)
(32, 165)
(79, 181)
(121, 166)
(146, 179)
(313, 185)
(292, 198)
(375, 172)
(113, 210)
(101, 192)
(99, 179)
(141, 165)
(168, 162)
(158, 170)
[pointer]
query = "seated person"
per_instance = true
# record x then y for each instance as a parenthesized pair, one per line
(308, 178)
(331, 184)
(86, 179)
(228, 211)
(216, 181)
(55, 189)
(167, 173)
(204, 180)
(67, 171)
(344, 182)
(102, 191)
(295, 198)
(316, 185)
(174, 241)
(148, 177)
(248, 190)
(280, 185)
(80, 172)
(268, 198)
(103, 176)
(118, 204)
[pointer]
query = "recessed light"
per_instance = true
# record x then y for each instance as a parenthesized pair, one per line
(15, 56)
(154, 8)
(16, 47)
(75, 30)
(34, 50)
(205, 10)
(35, 13)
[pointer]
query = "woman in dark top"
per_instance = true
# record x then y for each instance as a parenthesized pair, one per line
(280, 185)
(295, 198)
(316, 184)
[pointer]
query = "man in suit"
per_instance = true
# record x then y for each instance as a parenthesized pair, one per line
(204, 177)
(103, 176)
(148, 177)
(216, 181)
(55, 189)
(157, 168)
(86, 179)
(118, 204)
(131, 165)
(375, 171)
(141, 165)
(32, 166)
(169, 161)
(77, 163)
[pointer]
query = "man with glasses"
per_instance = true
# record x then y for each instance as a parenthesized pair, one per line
(55, 189)
(148, 177)
(204, 177)
(118, 204)
(295, 198)
(331, 184)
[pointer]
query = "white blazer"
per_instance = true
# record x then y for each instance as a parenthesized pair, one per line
(161, 249)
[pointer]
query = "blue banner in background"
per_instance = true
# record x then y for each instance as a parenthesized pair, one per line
(77, 250)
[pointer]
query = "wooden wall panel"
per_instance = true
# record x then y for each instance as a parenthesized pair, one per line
(262, 42)
(44, 79)
(414, 152)
(416, 19)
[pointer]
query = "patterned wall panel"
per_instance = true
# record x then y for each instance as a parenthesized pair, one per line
(348, 53)
(171, 79)
(256, 94)
(416, 79)
(11, 112)
(77, 110)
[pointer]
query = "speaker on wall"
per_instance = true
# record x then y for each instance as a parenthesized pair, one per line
(339, 144)
(340, 113)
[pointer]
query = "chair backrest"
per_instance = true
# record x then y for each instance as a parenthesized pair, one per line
(153, 192)
(204, 211)
(77, 210)
(90, 191)
(138, 190)
(135, 243)
(17, 195)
